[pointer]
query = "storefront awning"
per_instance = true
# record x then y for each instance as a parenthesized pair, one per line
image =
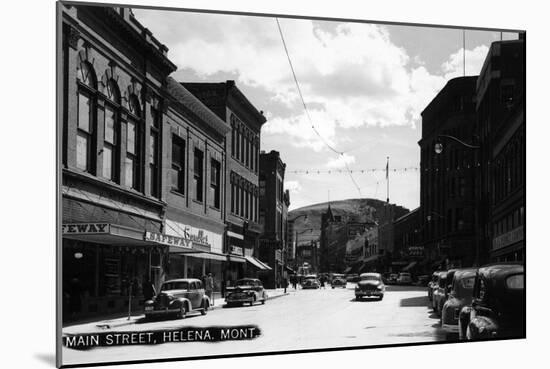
(209, 256)
(237, 259)
(257, 263)
(410, 266)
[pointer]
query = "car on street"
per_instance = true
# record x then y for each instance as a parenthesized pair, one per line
(246, 290)
(392, 279)
(370, 285)
(432, 285)
(404, 278)
(460, 295)
(352, 278)
(440, 292)
(311, 282)
(338, 280)
(498, 304)
(178, 297)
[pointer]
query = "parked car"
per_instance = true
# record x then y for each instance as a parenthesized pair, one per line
(404, 278)
(433, 284)
(246, 290)
(178, 297)
(422, 280)
(392, 279)
(338, 281)
(439, 291)
(371, 284)
(460, 295)
(498, 304)
(311, 282)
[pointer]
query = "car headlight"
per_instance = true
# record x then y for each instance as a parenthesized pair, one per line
(379, 287)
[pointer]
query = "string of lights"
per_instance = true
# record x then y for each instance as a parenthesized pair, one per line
(379, 170)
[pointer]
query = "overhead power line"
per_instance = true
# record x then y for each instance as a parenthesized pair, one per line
(341, 153)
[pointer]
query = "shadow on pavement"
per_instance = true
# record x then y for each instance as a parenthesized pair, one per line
(366, 299)
(414, 301)
(144, 320)
(46, 358)
(394, 287)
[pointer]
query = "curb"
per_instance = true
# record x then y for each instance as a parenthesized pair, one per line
(107, 325)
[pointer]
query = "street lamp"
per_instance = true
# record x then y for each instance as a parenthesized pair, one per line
(286, 243)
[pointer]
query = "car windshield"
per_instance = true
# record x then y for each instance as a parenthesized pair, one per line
(467, 283)
(370, 278)
(311, 278)
(245, 282)
(175, 286)
(516, 282)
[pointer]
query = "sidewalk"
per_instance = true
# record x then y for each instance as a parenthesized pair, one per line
(106, 324)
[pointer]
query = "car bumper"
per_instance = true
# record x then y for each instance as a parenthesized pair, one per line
(450, 328)
(236, 300)
(159, 312)
(369, 293)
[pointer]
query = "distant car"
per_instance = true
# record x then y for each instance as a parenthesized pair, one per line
(338, 281)
(392, 279)
(352, 278)
(404, 278)
(370, 285)
(460, 295)
(422, 280)
(311, 282)
(498, 304)
(178, 297)
(246, 290)
(432, 285)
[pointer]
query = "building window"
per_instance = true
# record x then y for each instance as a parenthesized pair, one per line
(238, 143)
(84, 138)
(247, 150)
(246, 202)
(154, 147)
(237, 199)
(178, 164)
(241, 190)
(133, 146)
(215, 182)
(243, 138)
(233, 136)
(111, 133)
(198, 169)
(233, 198)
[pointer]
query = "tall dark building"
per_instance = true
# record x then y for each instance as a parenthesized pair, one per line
(447, 197)
(243, 227)
(273, 215)
(501, 120)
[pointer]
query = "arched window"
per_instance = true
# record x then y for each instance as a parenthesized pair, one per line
(133, 144)
(87, 90)
(111, 143)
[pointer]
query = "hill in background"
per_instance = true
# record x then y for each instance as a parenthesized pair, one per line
(351, 210)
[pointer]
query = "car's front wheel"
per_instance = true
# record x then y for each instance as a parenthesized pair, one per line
(183, 312)
(381, 297)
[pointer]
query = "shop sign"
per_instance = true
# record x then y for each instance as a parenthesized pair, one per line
(278, 256)
(236, 250)
(86, 228)
(168, 240)
(201, 239)
(515, 235)
(416, 251)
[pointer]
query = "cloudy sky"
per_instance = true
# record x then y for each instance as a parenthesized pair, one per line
(365, 86)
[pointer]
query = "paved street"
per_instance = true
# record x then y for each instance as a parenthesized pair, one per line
(305, 319)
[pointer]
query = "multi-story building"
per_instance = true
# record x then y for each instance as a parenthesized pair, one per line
(501, 123)
(113, 104)
(386, 217)
(407, 242)
(273, 214)
(242, 147)
(333, 240)
(448, 201)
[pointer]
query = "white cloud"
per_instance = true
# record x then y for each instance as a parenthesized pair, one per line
(293, 186)
(454, 67)
(340, 161)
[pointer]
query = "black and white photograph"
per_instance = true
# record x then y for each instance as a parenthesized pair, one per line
(235, 184)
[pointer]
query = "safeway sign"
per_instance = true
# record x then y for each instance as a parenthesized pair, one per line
(85, 228)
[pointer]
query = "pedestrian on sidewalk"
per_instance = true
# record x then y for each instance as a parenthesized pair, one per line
(148, 289)
(294, 281)
(209, 287)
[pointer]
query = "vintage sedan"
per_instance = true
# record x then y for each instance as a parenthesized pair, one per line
(404, 278)
(311, 282)
(433, 283)
(498, 304)
(439, 292)
(338, 281)
(370, 285)
(246, 290)
(178, 297)
(460, 295)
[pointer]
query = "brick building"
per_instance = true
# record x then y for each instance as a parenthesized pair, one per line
(241, 173)
(112, 100)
